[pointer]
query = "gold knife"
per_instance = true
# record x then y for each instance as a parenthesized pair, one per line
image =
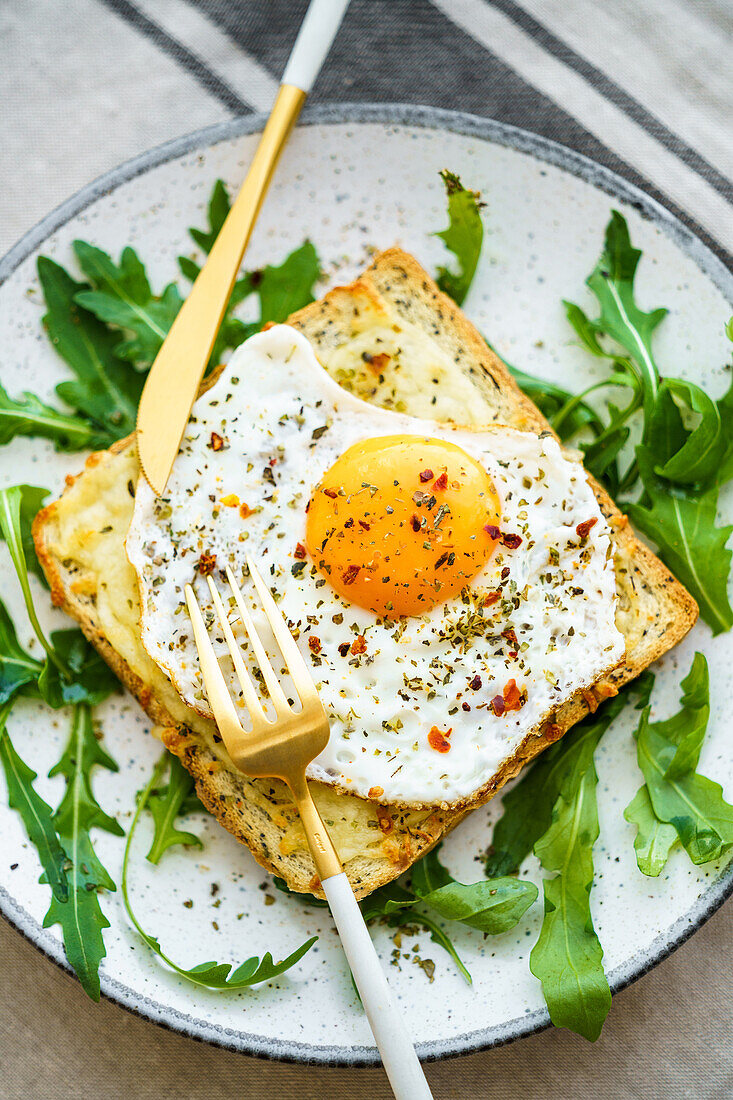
(175, 376)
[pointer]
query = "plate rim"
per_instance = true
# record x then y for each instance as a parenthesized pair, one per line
(493, 132)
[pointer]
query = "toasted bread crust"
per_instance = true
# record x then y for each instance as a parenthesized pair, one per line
(655, 612)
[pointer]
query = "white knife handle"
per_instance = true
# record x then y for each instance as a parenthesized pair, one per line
(388, 1026)
(316, 34)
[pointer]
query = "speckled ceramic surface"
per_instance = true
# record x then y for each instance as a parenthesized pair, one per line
(354, 179)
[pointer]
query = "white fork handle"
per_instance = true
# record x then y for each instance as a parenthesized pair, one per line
(317, 32)
(388, 1026)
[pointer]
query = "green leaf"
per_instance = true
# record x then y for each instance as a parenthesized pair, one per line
(81, 918)
(211, 975)
(86, 679)
(34, 812)
(82, 926)
(217, 210)
(612, 282)
(667, 752)
(385, 901)
(463, 237)
(15, 504)
(106, 389)
(568, 957)
(686, 729)
(283, 290)
(492, 906)
(27, 415)
(17, 668)
(122, 297)
(79, 811)
(683, 527)
(31, 502)
(555, 402)
(74, 899)
(698, 458)
(654, 839)
(166, 803)
(528, 806)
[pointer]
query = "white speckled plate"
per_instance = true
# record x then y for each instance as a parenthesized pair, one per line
(353, 178)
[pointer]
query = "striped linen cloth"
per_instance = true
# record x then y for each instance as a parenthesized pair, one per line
(645, 88)
(642, 87)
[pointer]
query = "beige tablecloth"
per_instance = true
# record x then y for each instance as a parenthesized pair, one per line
(85, 84)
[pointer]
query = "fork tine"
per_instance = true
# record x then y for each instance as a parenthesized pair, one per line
(216, 688)
(299, 672)
(273, 684)
(251, 699)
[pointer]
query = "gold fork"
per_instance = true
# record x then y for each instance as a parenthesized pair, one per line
(283, 749)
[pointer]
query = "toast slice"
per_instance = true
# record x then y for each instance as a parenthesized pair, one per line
(394, 339)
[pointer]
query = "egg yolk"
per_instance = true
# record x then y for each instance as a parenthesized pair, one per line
(398, 523)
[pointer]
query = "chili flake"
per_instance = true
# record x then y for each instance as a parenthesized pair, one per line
(351, 573)
(441, 482)
(344, 649)
(206, 564)
(511, 541)
(216, 443)
(314, 644)
(492, 531)
(512, 697)
(475, 683)
(375, 792)
(426, 475)
(583, 529)
(359, 645)
(438, 740)
(330, 493)
(299, 551)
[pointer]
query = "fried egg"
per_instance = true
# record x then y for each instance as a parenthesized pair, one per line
(449, 588)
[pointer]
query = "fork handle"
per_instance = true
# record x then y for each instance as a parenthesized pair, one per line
(386, 1021)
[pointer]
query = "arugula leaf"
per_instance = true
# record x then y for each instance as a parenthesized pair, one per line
(612, 283)
(211, 975)
(17, 668)
(667, 752)
(86, 677)
(218, 210)
(27, 415)
(14, 530)
(166, 803)
(79, 811)
(492, 906)
(568, 957)
(34, 812)
(122, 297)
(463, 237)
(81, 917)
(683, 527)
(698, 458)
(74, 899)
(106, 389)
(386, 901)
(31, 502)
(528, 805)
(654, 839)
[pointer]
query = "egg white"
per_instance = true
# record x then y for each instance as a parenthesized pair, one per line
(282, 421)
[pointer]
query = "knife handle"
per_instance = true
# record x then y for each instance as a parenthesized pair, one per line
(314, 40)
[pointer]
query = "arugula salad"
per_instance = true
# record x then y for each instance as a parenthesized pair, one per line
(661, 446)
